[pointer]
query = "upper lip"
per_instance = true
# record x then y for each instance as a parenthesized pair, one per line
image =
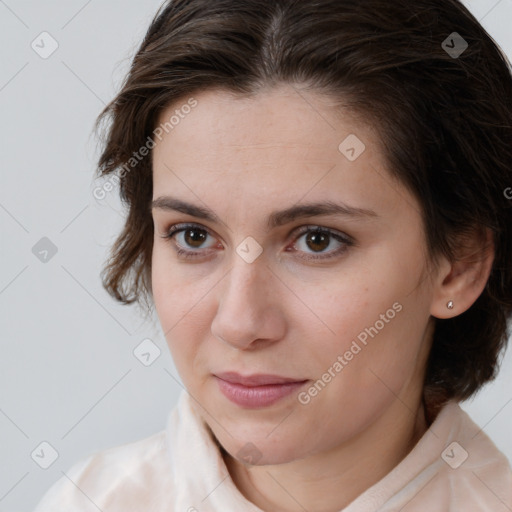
(256, 379)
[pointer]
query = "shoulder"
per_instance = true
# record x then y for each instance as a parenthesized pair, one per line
(115, 479)
(473, 474)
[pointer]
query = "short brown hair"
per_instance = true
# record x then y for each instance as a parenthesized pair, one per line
(444, 119)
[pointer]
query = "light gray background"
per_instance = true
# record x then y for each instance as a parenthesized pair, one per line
(68, 375)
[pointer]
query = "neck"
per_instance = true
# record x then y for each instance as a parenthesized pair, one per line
(328, 482)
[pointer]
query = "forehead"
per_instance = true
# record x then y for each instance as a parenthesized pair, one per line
(275, 124)
(280, 116)
(283, 143)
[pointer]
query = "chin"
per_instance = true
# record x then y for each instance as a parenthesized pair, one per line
(255, 448)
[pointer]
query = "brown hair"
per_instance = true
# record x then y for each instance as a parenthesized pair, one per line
(444, 120)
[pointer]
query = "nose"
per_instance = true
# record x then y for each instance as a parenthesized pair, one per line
(249, 314)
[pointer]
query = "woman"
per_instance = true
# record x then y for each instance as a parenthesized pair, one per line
(318, 211)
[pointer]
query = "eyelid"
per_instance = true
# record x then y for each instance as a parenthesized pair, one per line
(346, 241)
(340, 236)
(323, 229)
(183, 226)
(296, 232)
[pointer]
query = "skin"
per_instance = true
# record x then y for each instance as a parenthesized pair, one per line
(282, 314)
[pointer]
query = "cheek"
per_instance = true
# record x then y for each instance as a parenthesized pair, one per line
(176, 295)
(184, 301)
(178, 312)
(355, 381)
(346, 304)
(372, 320)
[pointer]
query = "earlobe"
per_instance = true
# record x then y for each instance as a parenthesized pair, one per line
(461, 282)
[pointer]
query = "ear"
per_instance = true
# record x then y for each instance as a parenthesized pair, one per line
(462, 281)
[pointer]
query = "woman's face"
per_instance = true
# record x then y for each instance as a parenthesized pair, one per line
(335, 299)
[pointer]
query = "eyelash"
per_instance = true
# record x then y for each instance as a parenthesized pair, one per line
(188, 255)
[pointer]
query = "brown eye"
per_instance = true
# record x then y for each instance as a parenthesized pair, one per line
(317, 241)
(195, 237)
(190, 241)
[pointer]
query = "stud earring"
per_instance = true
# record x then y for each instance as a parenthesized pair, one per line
(449, 305)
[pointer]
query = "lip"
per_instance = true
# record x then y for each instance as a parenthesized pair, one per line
(255, 380)
(256, 391)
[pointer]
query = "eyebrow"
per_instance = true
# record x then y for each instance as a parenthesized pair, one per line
(276, 218)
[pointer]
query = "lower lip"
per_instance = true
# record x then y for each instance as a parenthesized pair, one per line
(257, 396)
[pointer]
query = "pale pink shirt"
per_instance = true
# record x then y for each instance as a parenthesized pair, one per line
(454, 467)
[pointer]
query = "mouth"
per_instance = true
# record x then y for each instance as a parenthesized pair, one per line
(256, 391)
